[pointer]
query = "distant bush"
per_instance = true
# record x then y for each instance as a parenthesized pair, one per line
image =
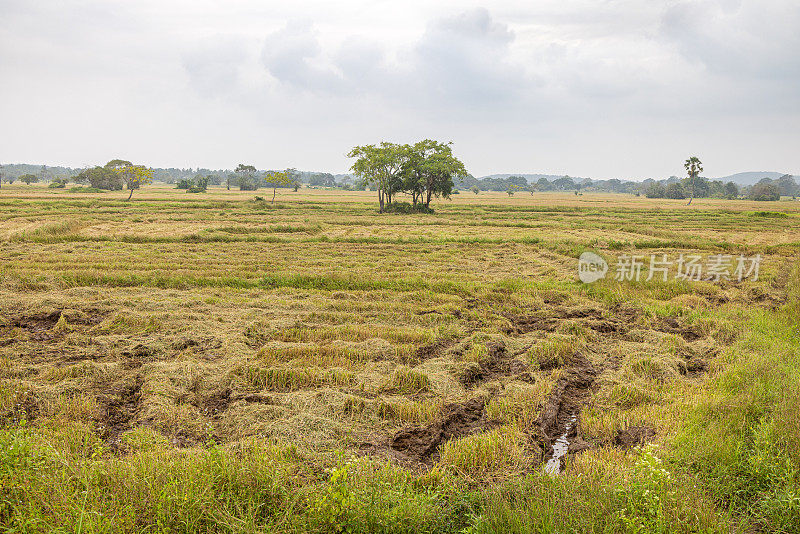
(769, 214)
(194, 186)
(56, 185)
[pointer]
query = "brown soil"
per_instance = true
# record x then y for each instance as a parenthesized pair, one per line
(633, 435)
(433, 350)
(670, 325)
(498, 363)
(202, 343)
(522, 324)
(565, 401)
(216, 403)
(258, 398)
(38, 325)
(549, 320)
(138, 355)
(25, 407)
(120, 410)
(697, 360)
(422, 443)
(694, 366)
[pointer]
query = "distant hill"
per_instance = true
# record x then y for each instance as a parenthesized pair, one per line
(750, 178)
(531, 177)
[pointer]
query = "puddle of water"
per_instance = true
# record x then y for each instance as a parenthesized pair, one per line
(560, 448)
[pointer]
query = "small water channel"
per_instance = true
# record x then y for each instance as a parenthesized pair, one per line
(560, 448)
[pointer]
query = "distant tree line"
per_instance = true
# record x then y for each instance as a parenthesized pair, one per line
(469, 182)
(696, 187)
(564, 183)
(421, 171)
(767, 189)
(677, 188)
(247, 178)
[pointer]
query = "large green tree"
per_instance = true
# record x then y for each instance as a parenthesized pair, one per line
(132, 176)
(439, 169)
(423, 170)
(380, 166)
(100, 178)
(731, 190)
(765, 191)
(246, 175)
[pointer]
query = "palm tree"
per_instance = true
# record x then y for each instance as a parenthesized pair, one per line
(694, 167)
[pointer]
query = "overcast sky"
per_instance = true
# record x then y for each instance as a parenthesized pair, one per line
(592, 88)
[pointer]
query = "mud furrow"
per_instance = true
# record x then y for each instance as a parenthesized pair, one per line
(560, 416)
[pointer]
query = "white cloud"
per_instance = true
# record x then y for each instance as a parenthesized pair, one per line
(214, 65)
(740, 39)
(519, 86)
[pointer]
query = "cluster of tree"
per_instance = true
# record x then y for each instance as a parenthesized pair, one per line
(198, 184)
(422, 171)
(319, 179)
(515, 183)
(692, 186)
(58, 183)
(699, 187)
(489, 183)
(174, 176)
(248, 178)
(695, 187)
(767, 189)
(115, 175)
(12, 172)
(764, 191)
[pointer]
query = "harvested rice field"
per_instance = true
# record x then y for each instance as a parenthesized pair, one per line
(215, 363)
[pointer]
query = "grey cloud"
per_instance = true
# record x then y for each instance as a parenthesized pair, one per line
(293, 56)
(738, 38)
(465, 59)
(213, 65)
(362, 62)
(459, 59)
(536, 85)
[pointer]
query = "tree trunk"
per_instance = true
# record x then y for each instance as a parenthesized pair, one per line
(274, 192)
(131, 194)
(380, 200)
